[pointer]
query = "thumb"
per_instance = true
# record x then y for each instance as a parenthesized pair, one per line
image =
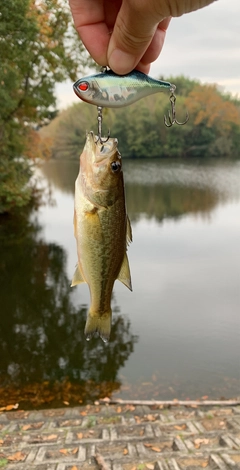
(133, 32)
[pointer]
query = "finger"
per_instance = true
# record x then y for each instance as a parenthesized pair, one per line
(133, 32)
(156, 45)
(89, 20)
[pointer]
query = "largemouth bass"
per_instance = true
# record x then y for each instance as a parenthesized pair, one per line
(115, 91)
(102, 230)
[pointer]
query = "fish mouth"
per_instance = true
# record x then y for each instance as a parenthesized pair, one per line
(100, 151)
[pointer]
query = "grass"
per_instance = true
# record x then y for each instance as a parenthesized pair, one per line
(3, 462)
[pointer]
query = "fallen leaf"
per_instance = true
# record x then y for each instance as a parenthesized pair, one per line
(205, 397)
(151, 418)
(63, 451)
(74, 451)
(26, 427)
(83, 413)
(9, 407)
(1, 441)
(80, 435)
(150, 466)
(147, 445)
(66, 403)
(156, 449)
(204, 464)
(18, 456)
(130, 407)
(133, 468)
(119, 409)
(106, 399)
(180, 428)
(125, 452)
(50, 437)
(199, 441)
(74, 467)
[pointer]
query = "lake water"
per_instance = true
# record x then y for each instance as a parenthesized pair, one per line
(177, 335)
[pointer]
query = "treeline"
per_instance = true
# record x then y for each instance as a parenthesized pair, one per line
(38, 48)
(213, 129)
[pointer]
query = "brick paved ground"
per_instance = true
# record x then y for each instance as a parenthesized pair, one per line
(128, 437)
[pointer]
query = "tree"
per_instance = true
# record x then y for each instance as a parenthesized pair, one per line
(38, 47)
(216, 119)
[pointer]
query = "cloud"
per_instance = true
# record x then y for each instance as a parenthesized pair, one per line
(204, 45)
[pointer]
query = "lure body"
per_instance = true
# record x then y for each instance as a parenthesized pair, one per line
(115, 91)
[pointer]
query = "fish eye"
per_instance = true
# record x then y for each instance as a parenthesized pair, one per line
(115, 166)
(83, 86)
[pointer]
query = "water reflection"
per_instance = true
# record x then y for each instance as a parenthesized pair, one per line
(41, 331)
(162, 189)
(184, 307)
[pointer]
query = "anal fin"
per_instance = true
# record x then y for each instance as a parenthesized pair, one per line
(124, 274)
(77, 277)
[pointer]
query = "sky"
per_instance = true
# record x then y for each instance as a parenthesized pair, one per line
(203, 45)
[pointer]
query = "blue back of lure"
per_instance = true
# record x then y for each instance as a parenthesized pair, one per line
(115, 91)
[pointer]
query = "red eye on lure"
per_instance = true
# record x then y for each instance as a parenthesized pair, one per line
(83, 86)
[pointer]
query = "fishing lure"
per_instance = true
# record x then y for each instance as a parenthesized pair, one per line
(107, 89)
(115, 91)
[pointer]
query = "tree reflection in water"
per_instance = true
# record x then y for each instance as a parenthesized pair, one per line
(44, 356)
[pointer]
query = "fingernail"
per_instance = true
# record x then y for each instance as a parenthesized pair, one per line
(121, 62)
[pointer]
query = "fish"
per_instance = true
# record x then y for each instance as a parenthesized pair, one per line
(110, 90)
(102, 230)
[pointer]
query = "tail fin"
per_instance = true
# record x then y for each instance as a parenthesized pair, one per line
(98, 324)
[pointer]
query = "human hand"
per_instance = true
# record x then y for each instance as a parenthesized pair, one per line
(127, 34)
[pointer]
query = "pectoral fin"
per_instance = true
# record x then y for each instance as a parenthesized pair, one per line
(124, 274)
(77, 277)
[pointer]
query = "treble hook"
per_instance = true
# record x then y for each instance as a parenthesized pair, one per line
(172, 119)
(100, 119)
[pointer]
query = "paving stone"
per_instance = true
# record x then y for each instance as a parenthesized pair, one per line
(175, 439)
(217, 462)
(228, 460)
(117, 466)
(178, 444)
(225, 440)
(172, 464)
(161, 466)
